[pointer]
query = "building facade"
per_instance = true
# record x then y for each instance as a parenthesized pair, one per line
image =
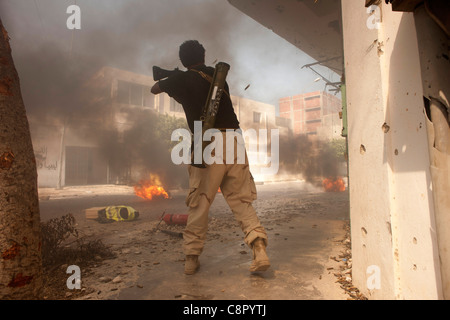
(313, 114)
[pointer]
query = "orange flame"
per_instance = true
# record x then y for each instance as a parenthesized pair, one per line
(147, 189)
(333, 184)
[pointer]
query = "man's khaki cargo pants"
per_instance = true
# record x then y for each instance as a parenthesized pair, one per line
(238, 188)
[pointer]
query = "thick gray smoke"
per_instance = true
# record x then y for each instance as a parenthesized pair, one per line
(54, 64)
(313, 159)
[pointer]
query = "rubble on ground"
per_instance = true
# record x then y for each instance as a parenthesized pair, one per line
(344, 275)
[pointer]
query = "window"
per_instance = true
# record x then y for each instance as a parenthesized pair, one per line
(313, 120)
(84, 165)
(161, 103)
(175, 106)
(149, 98)
(282, 122)
(256, 117)
(123, 92)
(312, 102)
(312, 98)
(134, 94)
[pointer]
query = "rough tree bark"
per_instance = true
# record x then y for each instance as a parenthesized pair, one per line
(20, 243)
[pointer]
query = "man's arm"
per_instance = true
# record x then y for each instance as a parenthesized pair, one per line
(156, 89)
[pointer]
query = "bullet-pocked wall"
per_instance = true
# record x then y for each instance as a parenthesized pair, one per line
(394, 245)
(434, 47)
(397, 227)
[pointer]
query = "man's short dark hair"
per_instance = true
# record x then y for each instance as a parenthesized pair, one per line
(192, 53)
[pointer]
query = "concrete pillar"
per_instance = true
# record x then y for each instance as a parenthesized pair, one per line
(434, 50)
(394, 245)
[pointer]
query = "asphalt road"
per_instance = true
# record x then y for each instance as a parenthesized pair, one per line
(76, 200)
(305, 226)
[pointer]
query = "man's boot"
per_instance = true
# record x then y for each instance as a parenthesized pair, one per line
(260, 258)
(192, 264)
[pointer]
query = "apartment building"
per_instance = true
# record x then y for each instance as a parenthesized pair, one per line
(314, 114)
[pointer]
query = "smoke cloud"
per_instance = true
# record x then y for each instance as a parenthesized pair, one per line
(313, 159)
(54, 64)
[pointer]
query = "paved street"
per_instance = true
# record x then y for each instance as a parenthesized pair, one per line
(306, 228)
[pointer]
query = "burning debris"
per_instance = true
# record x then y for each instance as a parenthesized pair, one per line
(313, 159)
(333, 184)
(150, 189)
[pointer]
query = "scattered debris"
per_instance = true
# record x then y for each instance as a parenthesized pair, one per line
(177, 219)
(144, 247)
(173, 233)
(111, 214)
(104, 279)
(92, 213)
(344, 275)
(174, 222)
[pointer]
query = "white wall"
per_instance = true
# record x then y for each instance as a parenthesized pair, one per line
(434, 46)
(47, 146)
(391, 204)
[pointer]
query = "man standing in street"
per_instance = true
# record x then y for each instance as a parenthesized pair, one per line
(190, 89)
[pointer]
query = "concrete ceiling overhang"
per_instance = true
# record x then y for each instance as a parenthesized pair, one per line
(313, 26)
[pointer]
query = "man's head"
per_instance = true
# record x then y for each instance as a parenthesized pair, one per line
(192, 53)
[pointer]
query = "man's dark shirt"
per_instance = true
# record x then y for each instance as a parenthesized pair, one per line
(191, 90)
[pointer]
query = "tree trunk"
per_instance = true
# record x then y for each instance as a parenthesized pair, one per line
(20, 242)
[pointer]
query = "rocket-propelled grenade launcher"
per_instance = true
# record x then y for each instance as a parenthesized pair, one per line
(160, 73)
(211, 107)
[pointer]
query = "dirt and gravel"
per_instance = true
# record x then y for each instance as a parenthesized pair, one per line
(309, 247)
